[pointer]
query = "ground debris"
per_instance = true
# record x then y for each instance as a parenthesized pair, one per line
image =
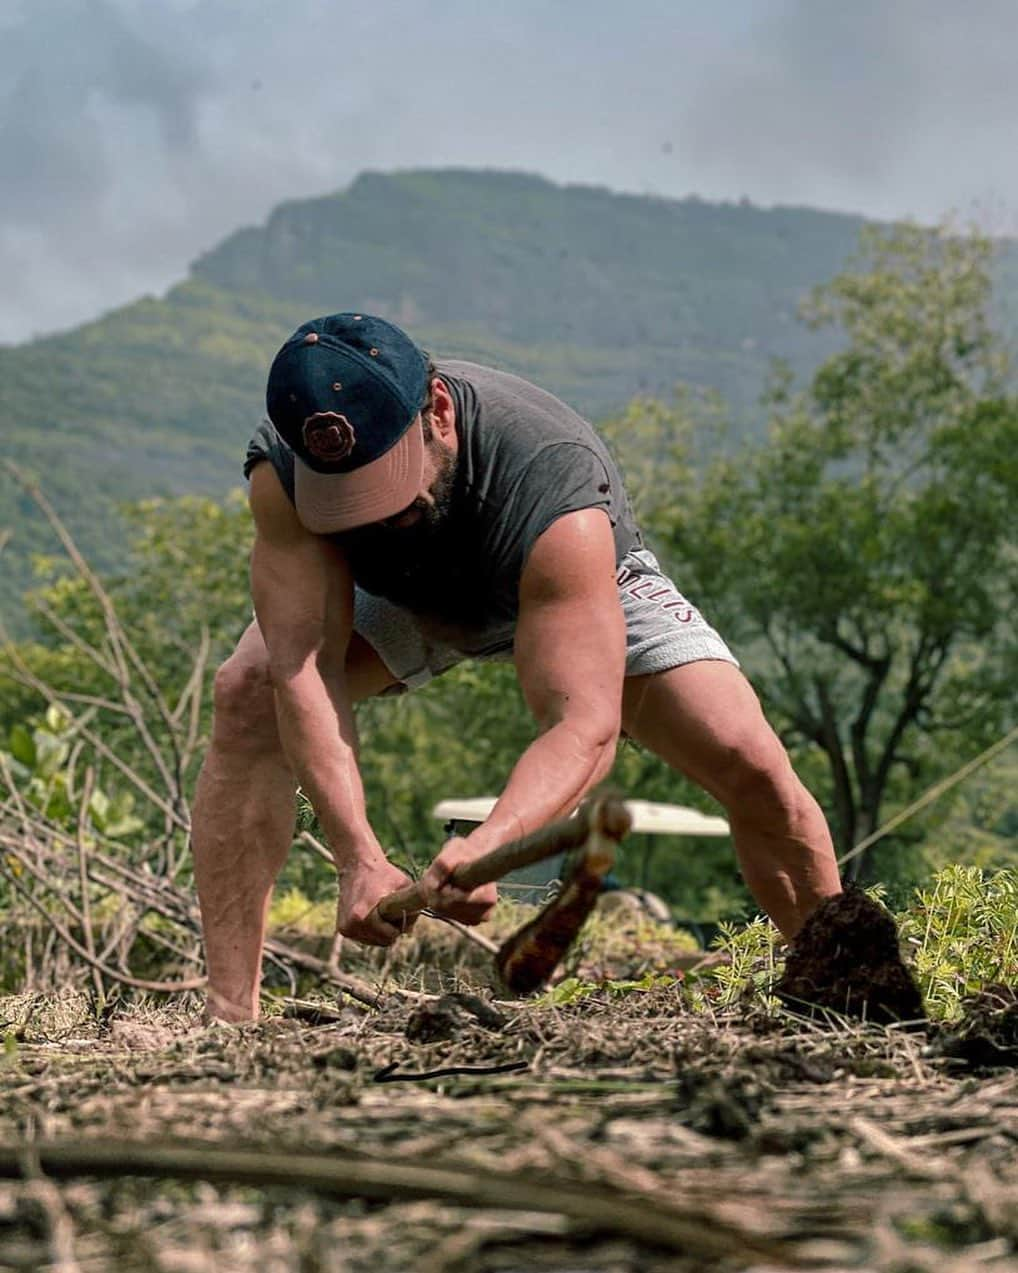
(447, 1016)
(717, 1106)
(987, 1034)
(846, 1147)
(35, 1017)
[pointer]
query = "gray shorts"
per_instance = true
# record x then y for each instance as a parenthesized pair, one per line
(663, 630)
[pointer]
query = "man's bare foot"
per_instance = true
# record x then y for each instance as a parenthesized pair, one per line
(219, 1010)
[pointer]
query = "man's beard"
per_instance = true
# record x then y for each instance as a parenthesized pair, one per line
(413, 546)
(427, 567)
(434, 513)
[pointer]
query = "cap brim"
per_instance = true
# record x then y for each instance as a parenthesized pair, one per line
(331, 502)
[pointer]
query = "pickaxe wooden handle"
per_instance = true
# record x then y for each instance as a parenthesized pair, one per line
(607, 816)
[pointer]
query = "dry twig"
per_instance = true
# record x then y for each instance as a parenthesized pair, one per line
(691, 1229)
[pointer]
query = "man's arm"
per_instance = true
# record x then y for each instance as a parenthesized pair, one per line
(570, 653)
(303, 598)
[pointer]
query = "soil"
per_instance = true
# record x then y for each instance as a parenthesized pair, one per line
(626, 1131)
(847, 961)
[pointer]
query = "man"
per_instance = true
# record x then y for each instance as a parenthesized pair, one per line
(409, 516)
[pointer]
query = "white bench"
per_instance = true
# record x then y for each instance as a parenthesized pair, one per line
(531, 884)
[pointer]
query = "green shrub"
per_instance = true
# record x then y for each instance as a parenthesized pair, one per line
(962, 934)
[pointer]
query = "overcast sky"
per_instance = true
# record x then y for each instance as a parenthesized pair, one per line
(136, 133)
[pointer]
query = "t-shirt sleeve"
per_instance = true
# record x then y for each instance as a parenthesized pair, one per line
(562, 478)
(265, 445)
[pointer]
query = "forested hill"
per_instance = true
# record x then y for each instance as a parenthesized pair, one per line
(663, 289)
(596, 295)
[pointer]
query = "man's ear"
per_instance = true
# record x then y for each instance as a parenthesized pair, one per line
(443, 414)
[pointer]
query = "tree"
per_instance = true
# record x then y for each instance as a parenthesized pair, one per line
(862, 558)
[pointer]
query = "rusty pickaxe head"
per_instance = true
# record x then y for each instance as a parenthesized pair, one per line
(528, 958)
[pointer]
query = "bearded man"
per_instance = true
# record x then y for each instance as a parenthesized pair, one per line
(409, 516)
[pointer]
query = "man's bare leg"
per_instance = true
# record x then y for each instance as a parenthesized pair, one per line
(704, 720)
(243, 818)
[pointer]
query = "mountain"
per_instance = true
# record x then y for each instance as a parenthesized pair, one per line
(596, 295)
(679, 284)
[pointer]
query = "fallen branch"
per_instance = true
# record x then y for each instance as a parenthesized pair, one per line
(696, 1231)
(127, 979)
(352, 986)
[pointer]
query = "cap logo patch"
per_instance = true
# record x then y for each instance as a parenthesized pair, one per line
(328, 436)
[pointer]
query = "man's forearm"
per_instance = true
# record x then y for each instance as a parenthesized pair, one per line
(548, 781)
(317, 731)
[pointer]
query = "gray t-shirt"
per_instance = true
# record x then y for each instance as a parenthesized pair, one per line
(524, 460)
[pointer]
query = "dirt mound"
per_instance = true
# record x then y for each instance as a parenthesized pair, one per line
(987, 1034)
(847, 960)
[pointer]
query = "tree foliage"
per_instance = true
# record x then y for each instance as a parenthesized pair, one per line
(862, 558)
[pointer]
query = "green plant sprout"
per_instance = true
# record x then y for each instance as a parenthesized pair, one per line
(41, 759)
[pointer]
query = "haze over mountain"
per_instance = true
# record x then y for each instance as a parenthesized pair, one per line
(597, 296)
(134, 135)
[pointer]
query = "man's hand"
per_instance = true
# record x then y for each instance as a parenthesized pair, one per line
(469, 907)
(361, 887)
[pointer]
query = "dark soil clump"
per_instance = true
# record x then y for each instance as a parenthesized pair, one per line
(847, 960)
(447, 1017)
(987, 1034)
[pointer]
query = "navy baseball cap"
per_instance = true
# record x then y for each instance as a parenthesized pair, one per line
(345, 393)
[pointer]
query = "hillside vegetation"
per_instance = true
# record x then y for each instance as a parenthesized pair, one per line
(682, 284)
(598, 296)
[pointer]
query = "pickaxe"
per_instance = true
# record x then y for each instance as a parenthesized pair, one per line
(527, 959)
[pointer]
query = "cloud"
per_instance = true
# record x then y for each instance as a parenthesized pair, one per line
(134, 135)
(890, 108)
(89, 87)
